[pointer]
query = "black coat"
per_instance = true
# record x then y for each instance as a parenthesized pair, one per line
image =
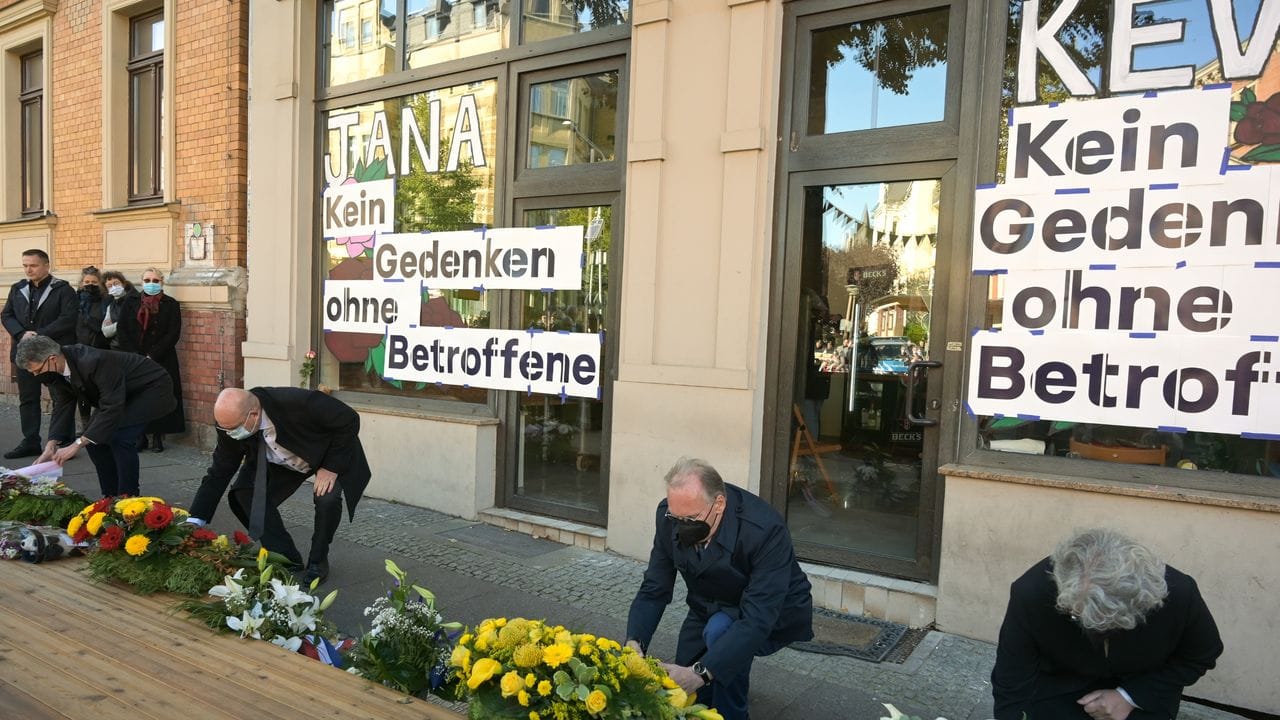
(1042, 654)
(89, 320)
(749, 571)
(323, 431)
(160, 343)
(55, 316)
(125, 389)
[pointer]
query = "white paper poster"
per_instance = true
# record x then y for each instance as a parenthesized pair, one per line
(547, 258)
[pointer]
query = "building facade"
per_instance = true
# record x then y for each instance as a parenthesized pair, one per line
(125, 147)
(780, 257)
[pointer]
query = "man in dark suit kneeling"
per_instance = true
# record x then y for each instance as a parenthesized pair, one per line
(126, 392)
(747, 595)
(271, 440)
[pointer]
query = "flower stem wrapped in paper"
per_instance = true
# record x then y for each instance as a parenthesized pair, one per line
(527, 669)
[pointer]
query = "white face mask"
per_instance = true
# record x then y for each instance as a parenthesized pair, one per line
(115, 291)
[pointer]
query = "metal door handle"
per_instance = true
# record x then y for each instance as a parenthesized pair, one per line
(912, 369)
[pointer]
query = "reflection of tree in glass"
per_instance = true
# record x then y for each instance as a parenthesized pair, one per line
(438, 201)
(604, 13)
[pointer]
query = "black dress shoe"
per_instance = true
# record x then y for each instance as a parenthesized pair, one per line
(142, 442)
(157, 443)
(313, 572)
(23, 450)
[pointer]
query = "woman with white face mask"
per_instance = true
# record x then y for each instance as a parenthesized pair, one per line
(151, 324)
(116, 287)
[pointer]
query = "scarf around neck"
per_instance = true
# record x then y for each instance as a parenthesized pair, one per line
(150, 306)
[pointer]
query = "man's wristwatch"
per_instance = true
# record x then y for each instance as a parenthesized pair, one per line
(701, 671)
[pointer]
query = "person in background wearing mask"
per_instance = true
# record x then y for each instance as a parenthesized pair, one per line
(271, 440)
(42, 304)
(151, 325)
(747, 595)
(89, 323)
(126, 392)
(119, 291)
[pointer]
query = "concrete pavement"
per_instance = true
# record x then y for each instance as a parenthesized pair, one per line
(479, 571)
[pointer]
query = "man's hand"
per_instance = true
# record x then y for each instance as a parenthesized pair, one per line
(685, 677)
(50, 448)
(635, 646)
(324, 481)
(66, 453)
(1105, 705)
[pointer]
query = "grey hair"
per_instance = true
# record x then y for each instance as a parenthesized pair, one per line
(708, 477)
(1106, 580)
(35, 349)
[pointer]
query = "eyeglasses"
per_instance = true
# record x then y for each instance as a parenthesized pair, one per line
(694, 518)
(238, 425)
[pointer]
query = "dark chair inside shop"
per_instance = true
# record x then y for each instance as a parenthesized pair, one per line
(1120, 453)
(803, 444)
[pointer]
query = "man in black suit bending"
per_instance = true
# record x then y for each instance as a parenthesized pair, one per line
(40, 305)
(271, 440)
(125, 391)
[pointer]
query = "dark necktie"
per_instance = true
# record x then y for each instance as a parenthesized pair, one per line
(258, 511)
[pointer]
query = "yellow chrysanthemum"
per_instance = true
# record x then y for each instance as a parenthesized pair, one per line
(523, 698)
(607, 644)
(74, 526)
(556, 655)
(533, 715)
(668, 683)
(484, 669)
(544, 688)
(708, 714)
(677, 697)
(461, 658)
(132, 508)
(530, 680)
(512, 634)
(499, 622)
(527, 655)
(637, 666)
(564, 637)
(137, 544)
(511, 684)
(536, 632)
(596, 702)
(95, 523)
(220, 543)
(586, 649)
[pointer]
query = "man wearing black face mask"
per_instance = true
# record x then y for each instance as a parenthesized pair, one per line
(126, 391)
(747, 595)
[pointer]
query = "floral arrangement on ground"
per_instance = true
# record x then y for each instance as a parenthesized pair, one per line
(144, 543)
(262, 606)
(408, 645)
(37, 501)
(526, 669)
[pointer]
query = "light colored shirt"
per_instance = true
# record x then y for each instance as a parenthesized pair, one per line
(278, 454)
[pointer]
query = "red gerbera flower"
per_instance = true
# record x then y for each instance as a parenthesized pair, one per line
(81, 535)
(241, 538)
(102, 505)
(159, 517)
(111, 538)
(204, 535)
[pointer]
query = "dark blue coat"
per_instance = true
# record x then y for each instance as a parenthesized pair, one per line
(749, 571)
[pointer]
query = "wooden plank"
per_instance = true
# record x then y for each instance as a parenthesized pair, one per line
(61, 603)
(19, 704)
(38, 671)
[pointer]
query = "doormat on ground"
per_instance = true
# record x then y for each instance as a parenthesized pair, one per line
(855, 636)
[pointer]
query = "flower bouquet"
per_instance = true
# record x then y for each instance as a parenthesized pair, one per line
(408, 646)
(264, 607)
(529, 670)
(38, 501)
(143, 543)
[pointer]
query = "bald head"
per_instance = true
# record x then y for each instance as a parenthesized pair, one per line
(233, 406)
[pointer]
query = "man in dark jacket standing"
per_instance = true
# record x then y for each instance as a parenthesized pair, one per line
(40, 305)
(747, 595)
(271, 440)
(1101, 629)
(125, 392)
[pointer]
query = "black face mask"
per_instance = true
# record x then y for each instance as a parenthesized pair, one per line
(91, 291)
(691, 532)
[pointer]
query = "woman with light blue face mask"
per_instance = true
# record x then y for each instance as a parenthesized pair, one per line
(151, 325)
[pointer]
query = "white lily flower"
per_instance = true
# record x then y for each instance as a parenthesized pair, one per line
(247, 625)
(230, 586)
(292, 644)
(290, 595)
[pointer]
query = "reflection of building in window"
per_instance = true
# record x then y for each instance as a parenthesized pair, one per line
(440, 30)
(572, 121)
(369, 53)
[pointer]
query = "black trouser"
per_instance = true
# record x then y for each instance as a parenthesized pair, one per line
(281, 483)
(29, 407)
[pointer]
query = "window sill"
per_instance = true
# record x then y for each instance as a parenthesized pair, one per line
(47, 219)
(374, 404)
(146, 211)
(1253, 493)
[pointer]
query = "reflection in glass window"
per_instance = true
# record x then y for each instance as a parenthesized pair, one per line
(547, 19)
(445, 199)
(573, 121)
(437, 31)
(362, 40)
(1083, 37)
(560, 442)
(878, 73)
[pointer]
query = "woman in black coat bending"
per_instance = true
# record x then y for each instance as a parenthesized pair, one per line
(150, 325)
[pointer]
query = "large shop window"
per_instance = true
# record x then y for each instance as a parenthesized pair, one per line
(146, 120)
(456, 127)
(1193, 365)
(547, 19)
(573, 121)
(31, 101)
